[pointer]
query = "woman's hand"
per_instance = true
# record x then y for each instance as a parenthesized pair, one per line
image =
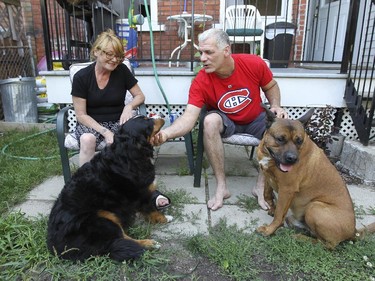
(127, 113)
(108, 136)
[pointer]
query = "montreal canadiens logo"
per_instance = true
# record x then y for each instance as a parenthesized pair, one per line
(234, 101)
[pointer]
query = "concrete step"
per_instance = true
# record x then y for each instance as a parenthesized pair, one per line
(359, 161)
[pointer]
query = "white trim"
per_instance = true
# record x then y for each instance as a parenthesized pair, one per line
(154, 19)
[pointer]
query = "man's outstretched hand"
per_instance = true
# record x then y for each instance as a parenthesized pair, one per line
(159, 138)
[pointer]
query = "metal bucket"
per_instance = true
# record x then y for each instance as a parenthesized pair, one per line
(19, 100)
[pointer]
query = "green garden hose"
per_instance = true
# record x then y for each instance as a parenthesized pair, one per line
(3, 150)
(153, 58)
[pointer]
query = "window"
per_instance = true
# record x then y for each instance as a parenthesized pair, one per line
(266, 8)
(153, 12)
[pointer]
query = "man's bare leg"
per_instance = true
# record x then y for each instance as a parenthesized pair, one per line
(215, 153)
(258, 191)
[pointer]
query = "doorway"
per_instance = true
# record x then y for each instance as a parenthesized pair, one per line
(326, 29)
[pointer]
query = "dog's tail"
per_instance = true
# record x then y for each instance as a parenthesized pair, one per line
(125, 249)
(362, 232)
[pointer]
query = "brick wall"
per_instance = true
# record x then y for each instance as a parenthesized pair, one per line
(166, 41)
(299, 18)
(32, 19)
(38, 29)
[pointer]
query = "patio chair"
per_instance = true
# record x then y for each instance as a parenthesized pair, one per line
(66, 122)
(243, 24)
(236, 139)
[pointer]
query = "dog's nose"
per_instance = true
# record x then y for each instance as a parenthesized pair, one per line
(290, 158)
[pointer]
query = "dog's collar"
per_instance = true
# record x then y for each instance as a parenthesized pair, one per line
(137, 116)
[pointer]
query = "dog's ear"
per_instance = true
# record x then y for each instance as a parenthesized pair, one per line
(270, 115)
(306, 117)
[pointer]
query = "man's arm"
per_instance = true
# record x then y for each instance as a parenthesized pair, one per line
(272, 92)
(180, 127)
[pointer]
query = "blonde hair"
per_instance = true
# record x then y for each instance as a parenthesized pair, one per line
(104, 39)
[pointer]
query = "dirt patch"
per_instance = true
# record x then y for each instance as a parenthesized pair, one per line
(184, 265)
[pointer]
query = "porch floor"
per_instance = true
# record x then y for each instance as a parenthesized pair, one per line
(307, 70)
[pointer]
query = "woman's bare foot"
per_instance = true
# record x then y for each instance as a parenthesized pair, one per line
(216, 202)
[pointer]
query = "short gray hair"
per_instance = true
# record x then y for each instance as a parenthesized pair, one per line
(220, 36)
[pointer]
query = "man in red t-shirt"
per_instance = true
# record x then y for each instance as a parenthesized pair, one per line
(229, 86)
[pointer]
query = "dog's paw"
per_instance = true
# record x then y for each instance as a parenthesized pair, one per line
(169, 218)
(264, 230)
(149, 244)
(157, 217)
(156, 245)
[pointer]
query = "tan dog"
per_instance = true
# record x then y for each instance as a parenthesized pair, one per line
(306, 182)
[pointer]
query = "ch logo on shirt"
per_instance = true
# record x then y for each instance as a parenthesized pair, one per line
(234, 101)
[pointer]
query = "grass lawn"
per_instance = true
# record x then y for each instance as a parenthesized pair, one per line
(228, 253)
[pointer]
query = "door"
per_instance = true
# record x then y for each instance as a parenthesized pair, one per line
(331, 22)
(326, 29)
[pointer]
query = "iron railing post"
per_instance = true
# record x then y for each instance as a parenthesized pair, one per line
(46, 33)
(351, 29)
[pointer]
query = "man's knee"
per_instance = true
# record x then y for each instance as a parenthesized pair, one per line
(213, 121)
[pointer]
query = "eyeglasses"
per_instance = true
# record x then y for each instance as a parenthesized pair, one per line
(110, 56)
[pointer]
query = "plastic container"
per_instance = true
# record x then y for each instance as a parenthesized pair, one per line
(278, 43)
(19, 100)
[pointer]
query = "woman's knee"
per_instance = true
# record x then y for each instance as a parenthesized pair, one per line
(88, 141)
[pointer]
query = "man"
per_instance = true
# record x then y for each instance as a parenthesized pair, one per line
(229, 85)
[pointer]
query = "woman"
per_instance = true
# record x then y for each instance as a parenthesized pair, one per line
(98, 92)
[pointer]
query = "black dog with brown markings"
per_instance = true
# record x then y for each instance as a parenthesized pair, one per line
(92, 212)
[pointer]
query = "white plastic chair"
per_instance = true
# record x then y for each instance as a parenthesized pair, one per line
(243, 24)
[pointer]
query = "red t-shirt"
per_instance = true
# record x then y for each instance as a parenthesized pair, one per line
(238, 96)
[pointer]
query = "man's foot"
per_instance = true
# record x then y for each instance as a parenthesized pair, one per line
(216, 202)
(258, 193)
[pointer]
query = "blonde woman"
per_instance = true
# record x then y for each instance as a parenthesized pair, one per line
(99, 91)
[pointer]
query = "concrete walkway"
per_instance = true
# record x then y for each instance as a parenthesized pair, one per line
(195, 218)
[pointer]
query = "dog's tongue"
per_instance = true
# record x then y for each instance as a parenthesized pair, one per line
(285, 168)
